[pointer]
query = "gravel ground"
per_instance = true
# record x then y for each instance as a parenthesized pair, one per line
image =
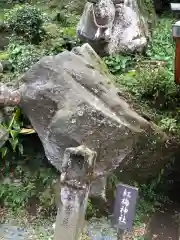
(21, 226)
(26, 228)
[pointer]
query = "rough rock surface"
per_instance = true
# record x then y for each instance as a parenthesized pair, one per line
(112, 27)
(4, 36)
(70, 100)
(1, 67)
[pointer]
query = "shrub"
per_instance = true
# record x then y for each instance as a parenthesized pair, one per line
(61, 17)
(26, 21)
(118, 63)
(60, 40)
(152, 79)
(23, 56)
(154, 84)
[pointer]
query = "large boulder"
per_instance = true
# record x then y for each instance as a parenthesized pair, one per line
(114, 26)
(70, 100)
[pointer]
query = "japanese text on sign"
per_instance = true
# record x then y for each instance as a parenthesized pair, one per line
(125, 204)
(124, 208)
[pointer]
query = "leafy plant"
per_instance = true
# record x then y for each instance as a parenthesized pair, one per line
(153, 84)
(26, 21)
(13, 128)
(61, 44)
(26, 179)
(169, 124)
(62, 18)
(23, 56)
(161, 46)
(118, 63)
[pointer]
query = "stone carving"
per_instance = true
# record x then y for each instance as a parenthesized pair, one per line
(76, 177)
(112, 27)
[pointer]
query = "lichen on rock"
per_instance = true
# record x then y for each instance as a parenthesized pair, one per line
(70, 102)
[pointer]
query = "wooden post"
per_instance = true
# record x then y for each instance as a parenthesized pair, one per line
(176, 36)
(76, 177)
(177, 61)
(175, 7)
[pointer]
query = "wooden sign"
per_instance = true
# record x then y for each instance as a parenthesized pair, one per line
(125, 206)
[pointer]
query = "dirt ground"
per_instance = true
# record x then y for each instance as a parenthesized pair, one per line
(164, 224)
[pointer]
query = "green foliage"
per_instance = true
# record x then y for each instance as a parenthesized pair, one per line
(118, 63)
(148, 83)
(149, 200)
(169, 124)
(152, 83)
(27, 178)
(26, 185)
(71, 8)
(59, 41)
(150, 79)
(26, 21)
(161, 46)
(13, 128)
(63, 43)
(91, 210)
(62, 18)
(22, 56)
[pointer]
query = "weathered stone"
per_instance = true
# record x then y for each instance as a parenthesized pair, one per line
(4, 36)
(6, 66)
(3, 136)
(1, 67)
(112, 27)
(70, 102)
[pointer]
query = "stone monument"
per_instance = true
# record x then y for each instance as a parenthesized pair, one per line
(113, 26)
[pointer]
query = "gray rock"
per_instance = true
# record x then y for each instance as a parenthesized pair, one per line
(7, 66)
(3, 136)
(4, 35)
(112, 27)
(8, 232)
(1, 68)
(4, 40)
(71, 101)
